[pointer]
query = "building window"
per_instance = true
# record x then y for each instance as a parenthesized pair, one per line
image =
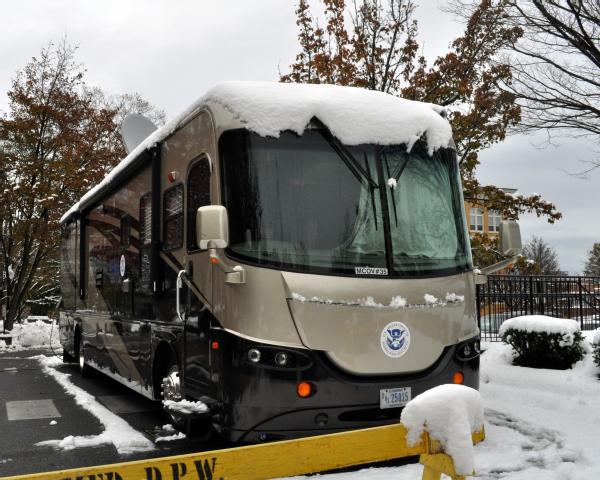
(494, 221)
(173, 218)
(476, 220)
(198, 195)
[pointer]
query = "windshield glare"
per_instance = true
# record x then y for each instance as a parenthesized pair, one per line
(308, 203)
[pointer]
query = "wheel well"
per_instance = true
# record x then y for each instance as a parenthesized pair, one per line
(163, 357)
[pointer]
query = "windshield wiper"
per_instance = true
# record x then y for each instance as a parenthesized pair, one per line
(389, 175)
(372, 192)
(397, 178)
(362, 175)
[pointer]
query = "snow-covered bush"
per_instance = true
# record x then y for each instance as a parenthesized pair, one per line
(596, 347)
(543, 342)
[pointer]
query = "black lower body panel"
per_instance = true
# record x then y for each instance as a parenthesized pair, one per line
(259, 401)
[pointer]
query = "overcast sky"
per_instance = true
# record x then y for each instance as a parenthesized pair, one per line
(172, 51)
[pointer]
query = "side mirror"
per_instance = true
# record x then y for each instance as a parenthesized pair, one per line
(212, 227)
(510, 246)
(510, 238)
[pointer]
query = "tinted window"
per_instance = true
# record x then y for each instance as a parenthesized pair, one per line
(126, 231)
(173, 218)
(145, 240)
(198, 196)
(310, 203)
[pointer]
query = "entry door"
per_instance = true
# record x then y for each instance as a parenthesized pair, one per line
(198, 288)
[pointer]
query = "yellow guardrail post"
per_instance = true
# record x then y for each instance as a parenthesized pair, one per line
(278, 459)
(435, 461)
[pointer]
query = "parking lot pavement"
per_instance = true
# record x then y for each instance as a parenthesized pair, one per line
(34, 408)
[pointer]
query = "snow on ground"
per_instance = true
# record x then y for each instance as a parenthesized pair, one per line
(30, 335)
(116, 430)
(540, 424)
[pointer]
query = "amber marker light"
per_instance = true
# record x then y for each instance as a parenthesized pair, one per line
(458, 378)
(304, 389)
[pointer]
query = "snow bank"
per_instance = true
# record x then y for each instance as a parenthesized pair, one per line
(542, 324)
(354, 116)
(451, 414)
(37, 334)
(596, 337)
(116, 430)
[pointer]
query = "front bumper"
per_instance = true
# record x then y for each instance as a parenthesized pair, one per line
(258, 402)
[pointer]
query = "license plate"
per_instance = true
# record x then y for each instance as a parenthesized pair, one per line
(394, 397)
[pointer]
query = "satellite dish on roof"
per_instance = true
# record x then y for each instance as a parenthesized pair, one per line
(135, 129)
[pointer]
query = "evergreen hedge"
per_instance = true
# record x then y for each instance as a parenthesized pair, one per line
(596, 350)
(545, 350)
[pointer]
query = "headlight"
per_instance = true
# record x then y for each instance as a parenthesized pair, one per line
(254, 355)
(281, 359)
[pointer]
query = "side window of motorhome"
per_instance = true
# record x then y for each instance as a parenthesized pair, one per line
(145, 239)
(125, 231)
(198, 196)
(173, 218)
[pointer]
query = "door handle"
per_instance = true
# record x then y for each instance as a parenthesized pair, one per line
(178, 286)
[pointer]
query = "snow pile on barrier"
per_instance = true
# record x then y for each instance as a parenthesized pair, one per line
(542, 324)
(451, 414)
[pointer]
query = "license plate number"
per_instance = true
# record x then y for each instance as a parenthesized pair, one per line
(394, 397)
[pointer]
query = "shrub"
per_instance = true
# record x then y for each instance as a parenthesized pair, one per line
(543, 342)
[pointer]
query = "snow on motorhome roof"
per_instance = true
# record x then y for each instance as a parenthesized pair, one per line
(353, 115)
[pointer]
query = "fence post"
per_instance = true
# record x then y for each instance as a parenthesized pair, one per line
(478, 300)
(540, 291)
(580, 303)
(531, 297)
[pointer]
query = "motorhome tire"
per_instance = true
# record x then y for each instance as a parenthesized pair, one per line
(84, 368)
(170, 389)
(67, 357)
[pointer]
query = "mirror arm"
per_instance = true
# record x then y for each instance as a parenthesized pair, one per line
(507, 262)
(235, 275)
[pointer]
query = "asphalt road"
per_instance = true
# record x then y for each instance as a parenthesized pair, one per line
(34, 408)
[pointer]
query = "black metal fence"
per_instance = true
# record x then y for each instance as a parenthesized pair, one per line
(507, 296)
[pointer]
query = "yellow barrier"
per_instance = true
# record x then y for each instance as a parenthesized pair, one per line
(278, 459)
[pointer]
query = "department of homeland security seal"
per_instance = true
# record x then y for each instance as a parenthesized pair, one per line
(395, 339)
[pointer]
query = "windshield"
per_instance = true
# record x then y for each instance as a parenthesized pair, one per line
(309, 203)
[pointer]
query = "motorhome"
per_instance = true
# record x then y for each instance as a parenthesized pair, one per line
(295, 257)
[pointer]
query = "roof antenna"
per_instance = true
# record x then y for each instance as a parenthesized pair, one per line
(135, 129)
